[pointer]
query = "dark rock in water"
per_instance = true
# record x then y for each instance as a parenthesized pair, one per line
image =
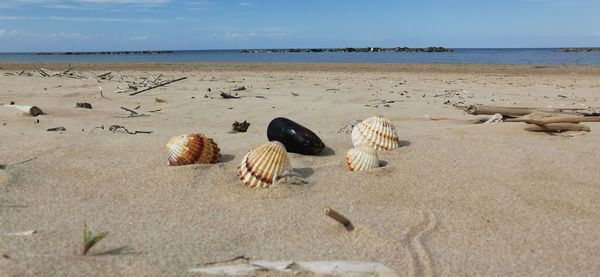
(295, 137)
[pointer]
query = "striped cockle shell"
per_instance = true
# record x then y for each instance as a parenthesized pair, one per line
(193, 149)
(362, 157)
(377, 132)
(262, 166)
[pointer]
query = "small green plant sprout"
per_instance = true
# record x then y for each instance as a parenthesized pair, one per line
(90, 239)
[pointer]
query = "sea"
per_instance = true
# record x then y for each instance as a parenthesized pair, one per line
(534, 56)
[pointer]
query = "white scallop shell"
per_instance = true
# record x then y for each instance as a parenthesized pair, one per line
(377, 132)
(262, 166)
(362, 157)
(192, 149)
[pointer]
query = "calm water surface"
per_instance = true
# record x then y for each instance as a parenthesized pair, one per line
(546, 56)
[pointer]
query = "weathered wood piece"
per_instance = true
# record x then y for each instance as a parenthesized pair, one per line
(156, 86)
(514, 111)
(555, 119)
(557, 127)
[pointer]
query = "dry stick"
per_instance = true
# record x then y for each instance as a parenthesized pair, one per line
(131, 111)
(556, 119)
(44, 73)
(64, 72)
(557, 127)
(513, 111)
(228, 96)
(159, 75)
(103, 75)
(114, 128)
(153, 87)
(339, 218)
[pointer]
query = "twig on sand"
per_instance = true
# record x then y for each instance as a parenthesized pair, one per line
(339, 218)
(129, 110)
(385, 103)
(25, 161)
(114, 128)
(43, 72)
(159, 85)
(98, 127)
(103, 75)
(241, 257)
(156, 79)
(133, 113)
(57, 129)
(228, 96)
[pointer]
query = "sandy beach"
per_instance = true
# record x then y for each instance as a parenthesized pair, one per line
(457, 199)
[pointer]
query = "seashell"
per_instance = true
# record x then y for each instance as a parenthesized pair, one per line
(295, 137)
(192, 149)
(377, 132)
(263, 165)
(362, 157)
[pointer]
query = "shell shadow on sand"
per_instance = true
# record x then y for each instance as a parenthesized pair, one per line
(304, 172)
(226, 158)
(403, 143)
(327, 151)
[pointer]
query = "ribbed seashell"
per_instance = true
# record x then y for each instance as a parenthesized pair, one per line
(193, 149)
(362, 157)
(262, 166)
(377, 132)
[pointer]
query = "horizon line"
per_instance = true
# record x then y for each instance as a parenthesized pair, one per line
(285, 48)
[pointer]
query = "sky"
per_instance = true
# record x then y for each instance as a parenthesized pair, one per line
(111, 25)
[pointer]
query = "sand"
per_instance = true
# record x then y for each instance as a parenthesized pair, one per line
(456, 199)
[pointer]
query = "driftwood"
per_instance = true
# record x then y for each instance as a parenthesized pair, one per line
(133, 113)
(156, 86)
(43, 72)
(228, 96)
(129, 110)
(114, 128)
(57, 129)
(339, 218)
(103, 75)
(555, 119)
(32, 110)
(515, 111)
(557, 127)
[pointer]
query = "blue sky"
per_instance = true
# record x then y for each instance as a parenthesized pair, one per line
(90, 25)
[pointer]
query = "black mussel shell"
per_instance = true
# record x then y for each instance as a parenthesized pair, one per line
(295, 137)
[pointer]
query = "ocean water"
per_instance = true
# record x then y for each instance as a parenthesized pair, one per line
(542, 56)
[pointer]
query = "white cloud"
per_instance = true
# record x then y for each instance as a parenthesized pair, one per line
(8, 34)
(17, 18)
(250, 35)
(139, 38)
(246, 3)
(13, 34)
(105, 19)
(81, 4)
